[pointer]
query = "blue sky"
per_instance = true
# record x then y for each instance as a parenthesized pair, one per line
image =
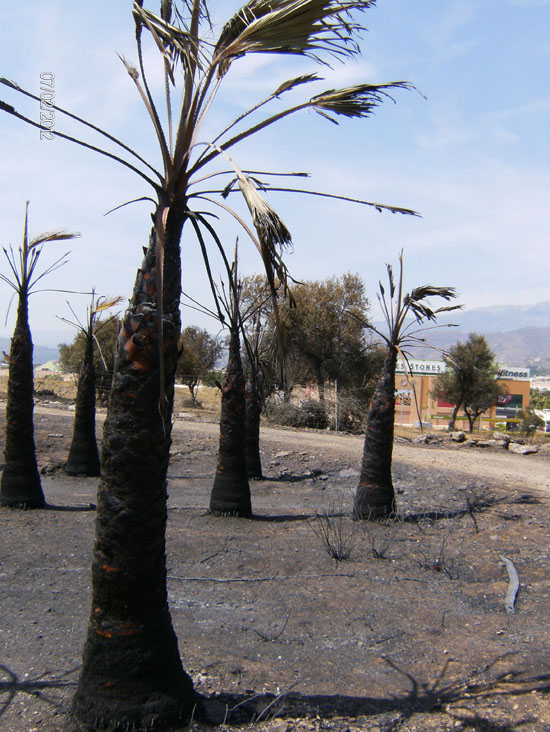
(470, 152)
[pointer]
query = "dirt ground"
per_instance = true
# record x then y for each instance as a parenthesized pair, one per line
(410, 633)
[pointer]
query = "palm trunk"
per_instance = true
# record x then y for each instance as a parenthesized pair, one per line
(20, 486)
(83, 455)
(231, 490)
(375, 497)
(132, 676)
(253, 414)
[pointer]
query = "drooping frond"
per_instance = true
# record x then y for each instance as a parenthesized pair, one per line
(354, 101)
(301, 27)
(267, 223)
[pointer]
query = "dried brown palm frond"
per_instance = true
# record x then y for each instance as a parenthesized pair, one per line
(354, 101)
(300, 27)
(177, 45)
(23, 266)
(271, 229)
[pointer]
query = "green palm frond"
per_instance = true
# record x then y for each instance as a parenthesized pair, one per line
(354, 101)
(300, 27)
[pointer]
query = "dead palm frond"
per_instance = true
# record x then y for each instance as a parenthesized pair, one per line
(195, 67)
(23, 263)
(398, 307)
(300, 27)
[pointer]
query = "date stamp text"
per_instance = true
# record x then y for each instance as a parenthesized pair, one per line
(47, 101)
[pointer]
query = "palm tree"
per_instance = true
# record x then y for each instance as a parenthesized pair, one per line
(260, 350)
(375, 496)
(231, 490)
(83, 456)
(20, 486)
(132, 673)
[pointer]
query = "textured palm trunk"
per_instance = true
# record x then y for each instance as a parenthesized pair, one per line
(375, 497)
(132, 676)
(253, 414)
(83, 454)
(231, 491)
(20, 486)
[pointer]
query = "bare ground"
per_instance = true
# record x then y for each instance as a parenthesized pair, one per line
(408, 634)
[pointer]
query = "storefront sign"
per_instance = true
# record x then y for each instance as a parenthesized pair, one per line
(421, 367)
(516, 373)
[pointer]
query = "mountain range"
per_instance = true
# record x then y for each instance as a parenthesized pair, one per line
(519, 335)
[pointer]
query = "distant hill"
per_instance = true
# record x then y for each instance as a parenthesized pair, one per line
(518, 334)
(523, 347)
(41, 354)
(501, 318)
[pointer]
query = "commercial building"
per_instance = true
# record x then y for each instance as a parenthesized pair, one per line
(414, 402)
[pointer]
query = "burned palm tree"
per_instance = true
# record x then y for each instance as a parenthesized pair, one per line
(20, 486)
(258, 356)
(83, 456)
(230, 494)
(375, 496)
(132, 675)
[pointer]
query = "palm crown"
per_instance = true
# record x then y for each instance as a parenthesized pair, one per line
(194, 69)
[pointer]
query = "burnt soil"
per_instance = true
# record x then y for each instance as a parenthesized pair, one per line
(410, 633)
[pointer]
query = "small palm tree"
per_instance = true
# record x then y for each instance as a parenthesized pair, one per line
(83, 456)
(256, 348)
(20, 486)
(375, 496)
(132, 673)
(231, 490)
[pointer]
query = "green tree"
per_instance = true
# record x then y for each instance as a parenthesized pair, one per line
(132, 675)
(325, 340)
(539, 399)
(71, 356)
(470, 380)
(199, 353)
(20, 485)
(83, 458)
(375, 496)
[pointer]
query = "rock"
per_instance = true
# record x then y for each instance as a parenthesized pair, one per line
(421, 440)
(522, 449)
(52, 468)
(485, 443)
(427, 440)
(281, 454)
(493, 443)
(458, 436)
(501, 436)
